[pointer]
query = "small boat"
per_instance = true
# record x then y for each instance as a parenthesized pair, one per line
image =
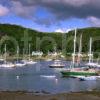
(57, 64)
(85, 78)
(98, 65)
(7, 65)
(30, 62)
(91, 64)
(1, 59)
(48, 76)
(19, 64)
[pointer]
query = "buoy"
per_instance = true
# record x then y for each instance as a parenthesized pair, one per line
(17, 77)
(56, 80)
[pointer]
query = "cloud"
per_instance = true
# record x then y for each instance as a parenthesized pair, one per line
(62, 30)
(94, 21)
(60, 9)
(3, 10)
(24, 11)
(59, 31)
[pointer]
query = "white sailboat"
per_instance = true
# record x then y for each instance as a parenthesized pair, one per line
(7, 64)
(91, 63)
(30, 61)
(57, 64)
(19, 63)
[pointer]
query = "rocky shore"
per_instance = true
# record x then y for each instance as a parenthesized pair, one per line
(6, 95)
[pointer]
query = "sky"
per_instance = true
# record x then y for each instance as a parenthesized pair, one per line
(51, 15)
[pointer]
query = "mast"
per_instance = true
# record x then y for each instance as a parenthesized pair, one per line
(23, 54)
(17, 53)
(29, 52)
(80, 50)
(74, 48)
(5, 54)
(90, 51)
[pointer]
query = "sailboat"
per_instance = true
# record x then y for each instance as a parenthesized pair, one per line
(30, 61)
(7, 64)
(19, 63)
(57, 63)
(91, 63)
(73, 72)
(80, 52)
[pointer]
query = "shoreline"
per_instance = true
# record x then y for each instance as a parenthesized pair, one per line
(23, 95)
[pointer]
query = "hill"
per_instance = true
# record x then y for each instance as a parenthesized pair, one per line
(9, 34)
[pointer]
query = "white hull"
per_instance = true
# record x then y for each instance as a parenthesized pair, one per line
(19, 65)
(48, 76)
(88, 78)
(91, 64)
(7, 65)
(1, 59)
(98, 65)
(31, 62)
(57, 64)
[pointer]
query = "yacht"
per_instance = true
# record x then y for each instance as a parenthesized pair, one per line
(57, 64)
(6, 64)
(19, 63)
(30, 61)
(73, 72)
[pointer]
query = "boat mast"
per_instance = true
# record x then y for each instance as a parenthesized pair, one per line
(5, 53)
(17, 53)
(80, 50)
(29, 51)
(90, 51)
(74, 48)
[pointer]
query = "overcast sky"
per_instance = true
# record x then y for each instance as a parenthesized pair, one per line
(51, 15)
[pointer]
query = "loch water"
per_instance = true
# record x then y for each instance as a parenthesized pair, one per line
(35, 78)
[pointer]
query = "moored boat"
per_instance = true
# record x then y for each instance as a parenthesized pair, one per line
(31, 62)
(57, 64)
(74, 73)
(88, 78)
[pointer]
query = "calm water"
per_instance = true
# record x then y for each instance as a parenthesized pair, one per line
(29, 78)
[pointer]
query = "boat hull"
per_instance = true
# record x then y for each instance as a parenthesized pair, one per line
(56, 66)
(69, 74)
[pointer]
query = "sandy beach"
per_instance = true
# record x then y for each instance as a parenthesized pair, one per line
(64, 96)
